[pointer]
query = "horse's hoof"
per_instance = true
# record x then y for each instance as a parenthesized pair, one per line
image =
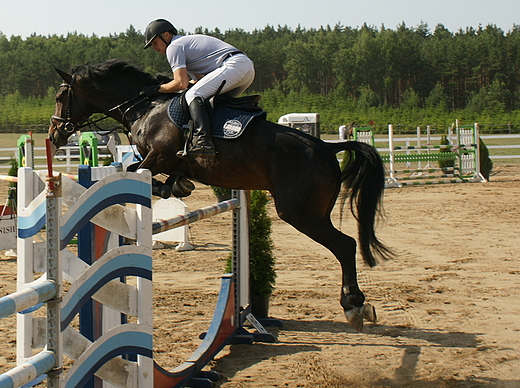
(161, 190)
(368, 312)
(355, 319)
(182, 187)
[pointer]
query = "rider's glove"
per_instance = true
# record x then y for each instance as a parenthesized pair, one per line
(151, 91)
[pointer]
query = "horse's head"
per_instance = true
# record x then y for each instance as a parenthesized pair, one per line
(70, 112)
(112, 88)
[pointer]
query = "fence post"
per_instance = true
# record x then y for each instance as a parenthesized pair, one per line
(28, 189)
(144, 286)
(54, 191)
(392, 181)
(241, 256)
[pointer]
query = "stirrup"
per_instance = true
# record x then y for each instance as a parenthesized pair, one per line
(204, 148)
(204, 151)
(191, 155)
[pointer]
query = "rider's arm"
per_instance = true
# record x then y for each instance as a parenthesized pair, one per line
(180, 82)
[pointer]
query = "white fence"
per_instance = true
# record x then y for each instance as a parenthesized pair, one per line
(509, 146)
(436, 139)
(69, 161)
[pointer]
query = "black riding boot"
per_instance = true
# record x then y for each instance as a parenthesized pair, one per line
(203, 148)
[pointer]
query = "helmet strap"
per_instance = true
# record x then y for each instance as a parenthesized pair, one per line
(164, 40)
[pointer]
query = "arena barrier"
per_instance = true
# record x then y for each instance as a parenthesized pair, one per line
(122, 354)
(420, 164)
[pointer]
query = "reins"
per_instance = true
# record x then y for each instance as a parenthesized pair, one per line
(136, 100)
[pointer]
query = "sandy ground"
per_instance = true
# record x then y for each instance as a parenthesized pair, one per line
(448, 305)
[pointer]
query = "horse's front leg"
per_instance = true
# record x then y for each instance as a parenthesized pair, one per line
(176, 184)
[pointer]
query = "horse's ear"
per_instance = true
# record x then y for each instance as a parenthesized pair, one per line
(64, 76)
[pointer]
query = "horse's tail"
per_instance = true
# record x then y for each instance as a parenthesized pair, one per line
(363, 180)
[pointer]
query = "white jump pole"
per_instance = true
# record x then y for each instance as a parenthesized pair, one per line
(392, 181)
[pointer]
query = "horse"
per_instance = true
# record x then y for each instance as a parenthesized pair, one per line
(301, 172)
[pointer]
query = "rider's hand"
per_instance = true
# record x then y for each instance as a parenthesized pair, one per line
(151, 91)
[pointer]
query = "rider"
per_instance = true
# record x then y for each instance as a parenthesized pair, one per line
(206, 60)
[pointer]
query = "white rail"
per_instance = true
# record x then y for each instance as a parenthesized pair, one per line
(69, 161)
(436, 139)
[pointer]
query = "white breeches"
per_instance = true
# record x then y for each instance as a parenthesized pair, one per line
(238, 71)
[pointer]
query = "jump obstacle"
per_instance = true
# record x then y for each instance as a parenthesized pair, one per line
(462, 153)
(88, 155)
(100, 281)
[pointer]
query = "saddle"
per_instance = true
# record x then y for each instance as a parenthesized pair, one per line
(245, 103)
(229, 116)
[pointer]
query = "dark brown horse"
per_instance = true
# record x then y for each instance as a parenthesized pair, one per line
(300, 171)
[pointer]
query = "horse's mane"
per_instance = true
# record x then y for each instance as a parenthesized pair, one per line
(106, 71)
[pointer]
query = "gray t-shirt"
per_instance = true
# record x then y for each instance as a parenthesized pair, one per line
(199, 54)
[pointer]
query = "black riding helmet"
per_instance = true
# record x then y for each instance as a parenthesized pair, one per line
(155, 28)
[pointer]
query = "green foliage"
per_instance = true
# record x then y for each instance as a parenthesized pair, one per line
(409, 75)
(221, 192)
(489, 99)
(367, 99)
(486, 165)
(13, 171)
(229, 264)
(410, 99)
(262, 260)
(345, 160)
(327, 60)
(437, 100)
(107, 161)
(448, 161)
(261, 257)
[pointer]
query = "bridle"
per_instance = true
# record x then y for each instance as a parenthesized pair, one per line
(70, 127)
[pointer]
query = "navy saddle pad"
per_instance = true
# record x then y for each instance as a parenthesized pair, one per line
(226, 123)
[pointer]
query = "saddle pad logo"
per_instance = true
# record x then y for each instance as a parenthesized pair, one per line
(232, 128)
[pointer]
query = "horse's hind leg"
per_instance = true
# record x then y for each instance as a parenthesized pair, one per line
(316, 224)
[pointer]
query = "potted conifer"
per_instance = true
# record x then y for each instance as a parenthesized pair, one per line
(447, 161)
(486, 164)
(261, 257)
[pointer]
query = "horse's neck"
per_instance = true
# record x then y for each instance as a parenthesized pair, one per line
(123, 109)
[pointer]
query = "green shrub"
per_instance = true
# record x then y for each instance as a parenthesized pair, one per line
(345, 160)
(107, 161)
(486, 165)
(221, 193)
(449, 160)
(262, 260)
(13, 171)
(261, 257)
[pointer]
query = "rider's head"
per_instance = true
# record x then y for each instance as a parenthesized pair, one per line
(155, 29)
